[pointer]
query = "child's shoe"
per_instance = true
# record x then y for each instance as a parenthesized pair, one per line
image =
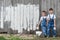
(47, 36)
(54, 36)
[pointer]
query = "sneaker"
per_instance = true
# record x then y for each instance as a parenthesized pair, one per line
(53, 36)
(47, 36)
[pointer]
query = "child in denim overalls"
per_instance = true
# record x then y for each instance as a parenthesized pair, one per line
(51, 21)
(43, 22)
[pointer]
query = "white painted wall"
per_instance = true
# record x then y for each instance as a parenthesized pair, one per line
(22, 15)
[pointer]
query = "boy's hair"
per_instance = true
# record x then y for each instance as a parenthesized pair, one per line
(44, 12)
(51, 9)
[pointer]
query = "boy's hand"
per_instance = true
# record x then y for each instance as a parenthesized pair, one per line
(54, 28)
(37, 26)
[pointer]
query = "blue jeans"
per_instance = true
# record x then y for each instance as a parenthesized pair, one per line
(44, 30)
(51, 27)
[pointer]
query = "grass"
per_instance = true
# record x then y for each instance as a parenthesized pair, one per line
(51, 38)
(15, 38)
(2, 38)
(12, 37)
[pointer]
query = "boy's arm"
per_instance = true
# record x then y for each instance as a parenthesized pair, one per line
(54, 22)
(47, 21)
(39, 21)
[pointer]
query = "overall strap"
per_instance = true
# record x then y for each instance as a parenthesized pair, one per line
(52, 17)
(49, 16)
(43, 18)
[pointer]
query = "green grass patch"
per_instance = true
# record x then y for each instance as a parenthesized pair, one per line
(15, 38)
(2, 38)
(34, 38)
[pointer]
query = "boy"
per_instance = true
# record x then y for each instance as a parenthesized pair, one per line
(51, 21)
(43, 22)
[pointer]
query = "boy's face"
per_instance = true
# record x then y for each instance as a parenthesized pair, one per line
(50, 11)
(43, 14)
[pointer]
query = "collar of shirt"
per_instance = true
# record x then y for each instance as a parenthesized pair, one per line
(43, 16)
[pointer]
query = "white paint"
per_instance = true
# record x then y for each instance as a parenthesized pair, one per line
(1, 17)
(22, 15)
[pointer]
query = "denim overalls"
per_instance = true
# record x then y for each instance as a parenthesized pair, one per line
(43, 26)
(51, 26)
